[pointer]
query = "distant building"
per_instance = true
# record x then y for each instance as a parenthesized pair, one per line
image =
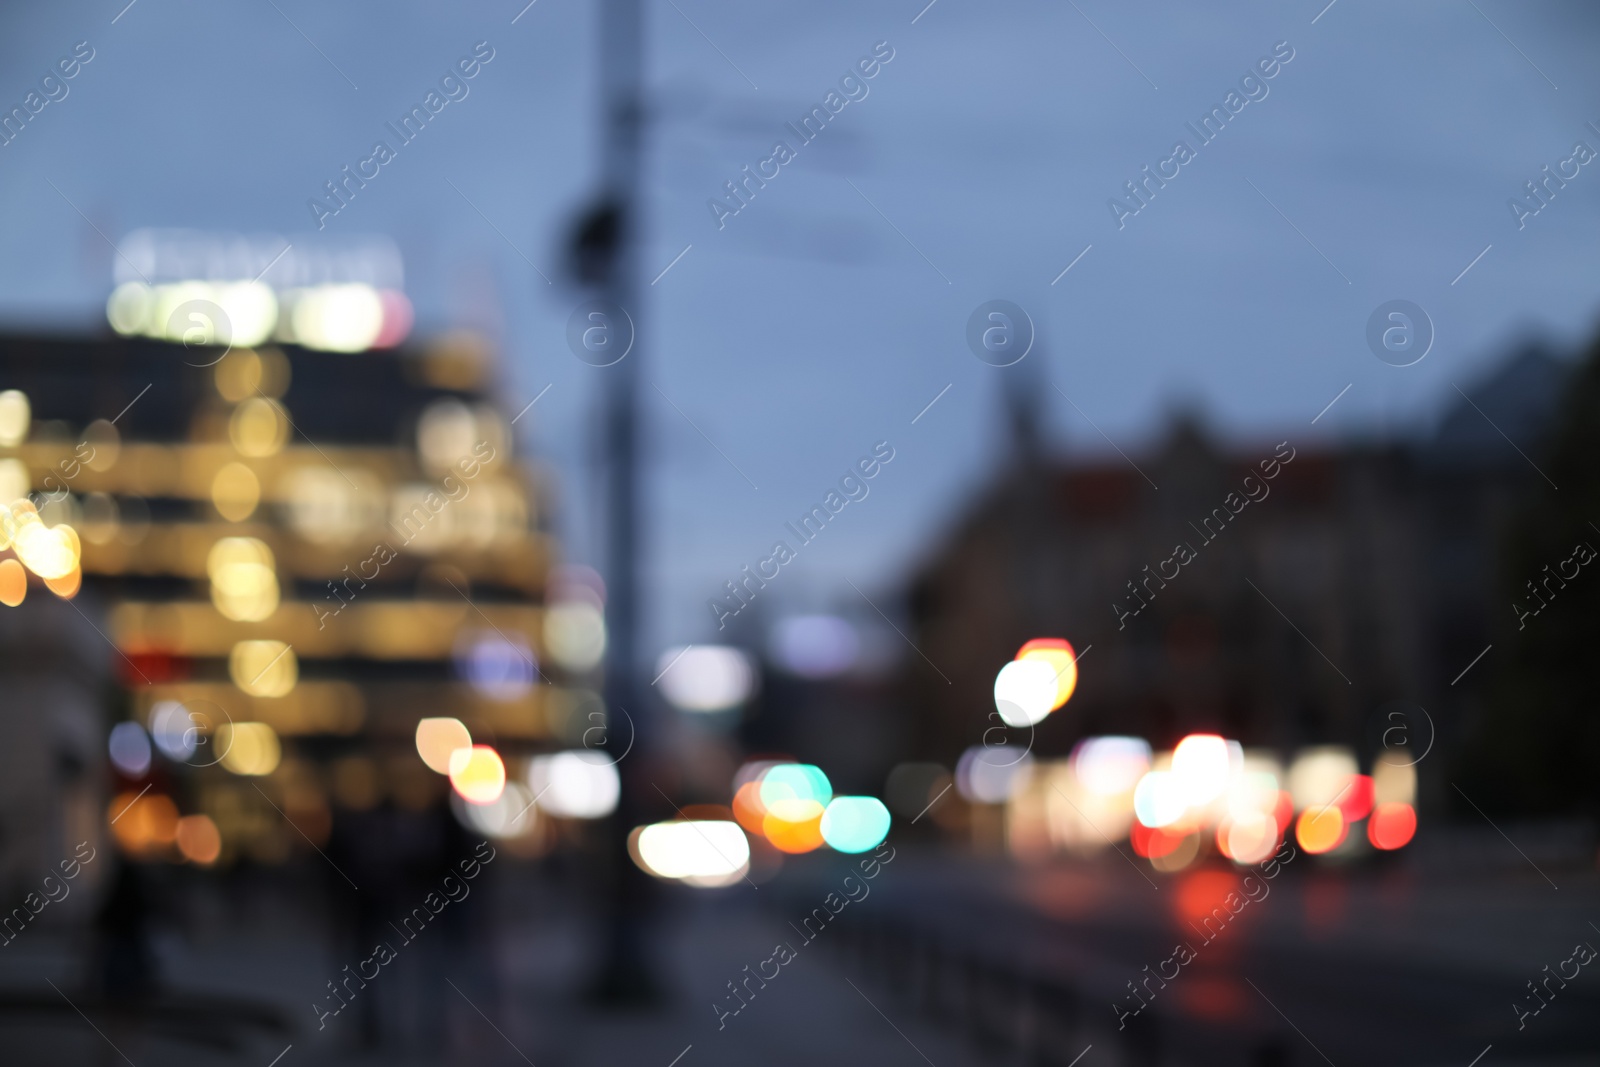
(1281, 593)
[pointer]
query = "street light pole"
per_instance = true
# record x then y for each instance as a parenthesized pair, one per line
(611, 236)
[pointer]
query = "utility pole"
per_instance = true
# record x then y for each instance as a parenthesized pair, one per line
(605, 255)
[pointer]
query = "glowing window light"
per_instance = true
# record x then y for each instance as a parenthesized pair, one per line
(1320, 829)
(496, 666)
(1024, 691)
(1110, 766)
(478, 774)
(705, 678)
(986, 775)
(1158, 799)
(1063, 661)
(575, 785)
(1355, 798)
(238, 376)
(794, 826)
(575, 634)
(48, 551)
(337, 318)
(1394, 780)
(446, 433)
(15, 416)
(1201, 764)
(795, 781)
(129, 748)
(244, 585)
(705, 852)
(854, 824)
(512, 814)
(13, 583)
(438, 739)
(258, 427)
(249, 748)
(1248, 839)
(235, 492)
(1392, 826)
(199, 840)
(263, 668)
(175, 731)
(1318, 774)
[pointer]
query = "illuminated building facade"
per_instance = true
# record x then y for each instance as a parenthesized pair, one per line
(297, 556)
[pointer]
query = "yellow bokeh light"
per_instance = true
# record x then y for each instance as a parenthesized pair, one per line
(249, 748)
(105, 442)
(235, 492)
(438, 738)
(15, 481)
(67, 586)
(238, 375)
(244, 586)
(49, 552)
(478, 774)
(15, 415)
(13, 583)
(199, 840)
(263, 668)
(258, 427)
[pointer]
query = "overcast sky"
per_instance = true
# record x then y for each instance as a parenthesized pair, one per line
(833, 308)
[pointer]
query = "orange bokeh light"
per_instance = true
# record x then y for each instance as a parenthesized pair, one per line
(793, 836)
(199, 840)
(13, 583)
(1320, 829)
(1392, 826)
(143, 824)
(748, 810)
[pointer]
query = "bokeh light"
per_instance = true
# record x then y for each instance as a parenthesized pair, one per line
(1063, 663)
(235, 492)
(575, 634)
(1024, 691)
(1110, 766)
(705, 678)
(575, 785)
(478, 774)
(244, 583)
(249, 748)
(129, 748)
(263, 668)
(700, 852)
(990, 775)
(198, 839)
(1158, 799)
(1201, 766)
(854, 824)
(1320, 829)
(438, 738)
(13, 583)
(1392, 826)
